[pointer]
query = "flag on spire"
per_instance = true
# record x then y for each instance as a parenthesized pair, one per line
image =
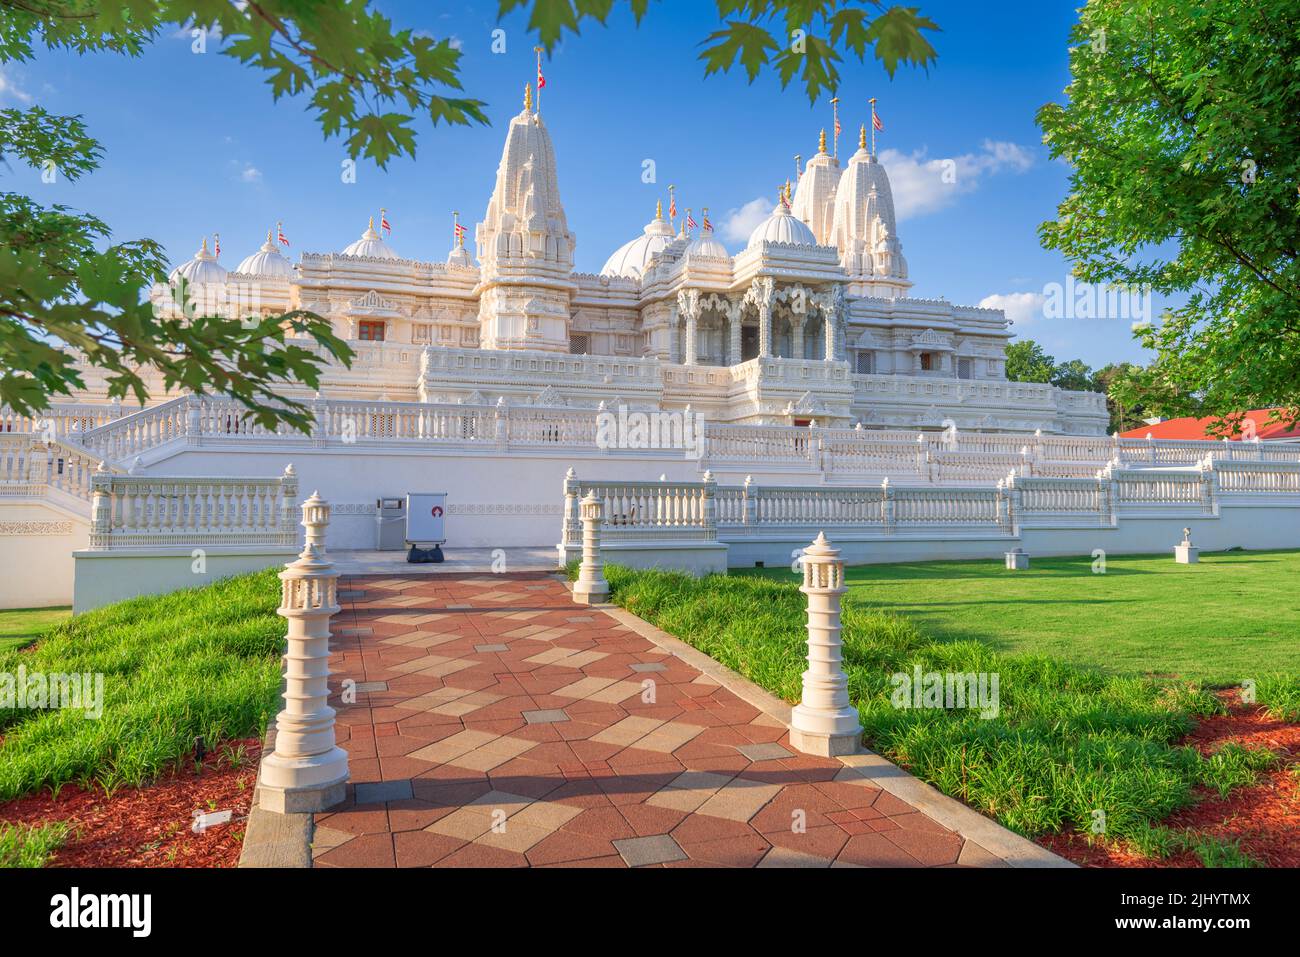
(383, 221)
(216, 244)
(707, 225)
(279, 233)
(541, 80)
(672, 202)
(875, 121)
(835, 102)
(458, 230)
(690, 220)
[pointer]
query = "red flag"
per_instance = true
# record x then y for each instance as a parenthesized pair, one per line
(216, 241)
(541, 80)
(707, 224)
(875, 121)
(690, 220)
(383, 221)
(460, 230)
(672, 208)
(279, 233)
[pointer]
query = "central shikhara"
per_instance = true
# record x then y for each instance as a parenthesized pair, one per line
(810, 323)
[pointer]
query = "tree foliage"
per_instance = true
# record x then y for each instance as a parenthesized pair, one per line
(803, 38)
(1180, 126)
(70, 295)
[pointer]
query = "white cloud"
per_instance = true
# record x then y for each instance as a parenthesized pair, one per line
(9, 89)
(743, 220)
(1022, 308)
(251, 174)
(922, 185)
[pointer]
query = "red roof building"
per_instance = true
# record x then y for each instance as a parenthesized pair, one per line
(1189, 428)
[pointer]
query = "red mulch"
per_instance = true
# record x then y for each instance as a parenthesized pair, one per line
(151, 826)
(1263, 817)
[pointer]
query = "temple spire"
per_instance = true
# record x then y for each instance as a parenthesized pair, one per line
(528, 98)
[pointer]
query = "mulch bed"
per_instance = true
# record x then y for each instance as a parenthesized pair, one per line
(1263, 817)
(151, 826)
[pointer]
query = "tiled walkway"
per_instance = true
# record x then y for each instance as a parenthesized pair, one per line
(496, 723)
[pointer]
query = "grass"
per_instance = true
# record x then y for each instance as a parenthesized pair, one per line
(1067, 740)
(1220, 621)
(22, 626)
(203, 662)
(25, 846)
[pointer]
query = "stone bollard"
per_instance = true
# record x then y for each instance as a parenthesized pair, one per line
(591, 587)
(1017, 560)
(307, 771)
(824, 723)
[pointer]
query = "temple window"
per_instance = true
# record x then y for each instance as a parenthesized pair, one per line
(866, 363)
(579, 344)
(927, 361)
(963, 368)
(370, 330)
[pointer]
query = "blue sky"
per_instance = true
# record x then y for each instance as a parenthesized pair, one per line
(195, 145)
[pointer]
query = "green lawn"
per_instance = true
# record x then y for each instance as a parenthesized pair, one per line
(22, 626)
(1067, 739)
(202, 662)
(1230, 617)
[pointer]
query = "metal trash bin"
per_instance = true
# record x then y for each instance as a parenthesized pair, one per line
(426, 514)
(390, 524)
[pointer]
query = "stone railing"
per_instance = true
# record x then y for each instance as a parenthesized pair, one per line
(29, 466)
(934, 457)
(128, 436)
(140, 511)
(643, 510)
(62, 420)
(1257, 478)
(646, 511)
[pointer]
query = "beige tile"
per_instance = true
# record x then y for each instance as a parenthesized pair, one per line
(547, 815)
(526, 631)
(678, 800)
(462, 742)
(627, 731)
(581, 659)
(549, 656)
(584, 687)
(619, 691)
(514, 837)
(740, 800)
(466, 823)
(669, 737)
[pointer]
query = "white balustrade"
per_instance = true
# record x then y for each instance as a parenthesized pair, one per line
(134, 511)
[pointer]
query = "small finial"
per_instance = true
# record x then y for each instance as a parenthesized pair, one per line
(862, 137)
(821, 144)
(371, 225)
(528, 98)
(659, 210)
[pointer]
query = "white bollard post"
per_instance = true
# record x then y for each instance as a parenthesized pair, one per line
(591, 587)
(307, 771)
(824, 723)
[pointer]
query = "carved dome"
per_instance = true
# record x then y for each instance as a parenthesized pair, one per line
(267, 261)
(706, 244)
(782, 227)
(630, 260)
(370, 245)
(203, 268)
